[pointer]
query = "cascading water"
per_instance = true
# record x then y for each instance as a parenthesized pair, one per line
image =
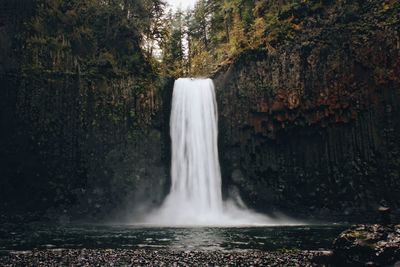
(195, 171)
(195, 197)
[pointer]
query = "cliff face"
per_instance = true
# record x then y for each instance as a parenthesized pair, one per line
(311, 123)
(73, 141)
(67, 145)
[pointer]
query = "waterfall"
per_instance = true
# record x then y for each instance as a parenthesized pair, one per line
(195, 196)
(195, 171)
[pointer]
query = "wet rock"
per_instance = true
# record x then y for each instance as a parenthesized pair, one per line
(143, 257)
(371, 245)
(324, 257)
(237, 176)
(385, 215)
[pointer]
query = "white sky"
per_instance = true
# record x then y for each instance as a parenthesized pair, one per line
(183, 4)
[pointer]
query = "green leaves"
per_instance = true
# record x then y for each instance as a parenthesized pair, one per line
(103, 37)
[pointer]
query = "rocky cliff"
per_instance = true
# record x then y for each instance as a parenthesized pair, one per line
(79, 137)
(310, 123)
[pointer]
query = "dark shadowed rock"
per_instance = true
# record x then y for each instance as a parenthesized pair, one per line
(385, 215)
(368, 245)
(314, 117)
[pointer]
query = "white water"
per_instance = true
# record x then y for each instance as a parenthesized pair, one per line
(195, 197)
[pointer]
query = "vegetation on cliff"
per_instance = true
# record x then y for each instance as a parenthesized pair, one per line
(215, 33)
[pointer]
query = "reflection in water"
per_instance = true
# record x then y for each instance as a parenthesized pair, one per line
(25, 237)
(195, 238)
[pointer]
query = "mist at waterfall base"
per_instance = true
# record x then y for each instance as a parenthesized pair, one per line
(195, 197)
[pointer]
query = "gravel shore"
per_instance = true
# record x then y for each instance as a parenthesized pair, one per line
(147, 257)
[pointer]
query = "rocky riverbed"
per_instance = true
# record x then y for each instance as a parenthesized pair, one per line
(147, 257)
(360, 245)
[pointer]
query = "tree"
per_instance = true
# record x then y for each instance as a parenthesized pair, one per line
(173, 50)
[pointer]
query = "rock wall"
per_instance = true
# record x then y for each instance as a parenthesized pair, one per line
(78, 145)
(75, 143)
(311, 125)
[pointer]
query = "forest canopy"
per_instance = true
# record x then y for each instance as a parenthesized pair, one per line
(98, 37)
(215, 32)
(142, 36)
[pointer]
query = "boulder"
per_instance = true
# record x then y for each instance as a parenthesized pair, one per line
(368, 245)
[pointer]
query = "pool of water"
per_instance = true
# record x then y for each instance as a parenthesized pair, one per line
(41, 236)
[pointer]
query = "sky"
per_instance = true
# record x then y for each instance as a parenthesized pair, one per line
(183, 4)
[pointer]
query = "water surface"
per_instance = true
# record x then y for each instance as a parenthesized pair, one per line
(41, 236)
